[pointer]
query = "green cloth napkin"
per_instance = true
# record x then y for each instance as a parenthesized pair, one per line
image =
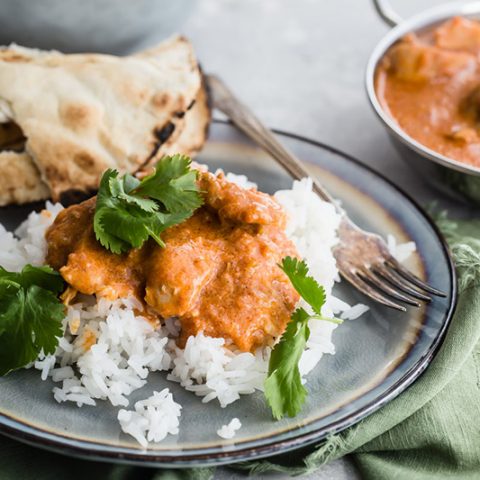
(431, 431)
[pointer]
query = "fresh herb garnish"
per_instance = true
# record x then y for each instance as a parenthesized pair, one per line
(306, 286)
(30, 315)
(283, 387)
(129, 210)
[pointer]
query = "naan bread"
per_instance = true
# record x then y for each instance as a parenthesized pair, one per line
(192, 129)
(20, 179)
(84, 113)
(194, 132)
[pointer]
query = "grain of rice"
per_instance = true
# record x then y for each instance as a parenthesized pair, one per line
(229, 431)
(401, 251)
(354, 312)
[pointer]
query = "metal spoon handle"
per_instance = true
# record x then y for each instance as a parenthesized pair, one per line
(225, 101)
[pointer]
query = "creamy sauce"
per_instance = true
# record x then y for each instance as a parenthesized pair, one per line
(218, 272)
(429, 82)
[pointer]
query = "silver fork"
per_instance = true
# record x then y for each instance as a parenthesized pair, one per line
(363, 258)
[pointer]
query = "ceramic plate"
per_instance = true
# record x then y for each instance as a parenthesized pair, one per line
(378, 355)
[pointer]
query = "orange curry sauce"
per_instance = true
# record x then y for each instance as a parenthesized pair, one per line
(429, 82)
(218, 272)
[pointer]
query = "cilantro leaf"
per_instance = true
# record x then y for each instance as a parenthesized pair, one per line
(122, 188)
(129, 211)
(283, 387)
(44, 277)
(305, 285)
(121, 228)
(30, 315)
(173, 184)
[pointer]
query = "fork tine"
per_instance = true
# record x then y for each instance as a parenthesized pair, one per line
(392, 263)
(397, 280)
(365, 288)
(369, 276)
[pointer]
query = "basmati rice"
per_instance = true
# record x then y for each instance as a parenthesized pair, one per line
(153, 418)
(108, 348)
(401, 251)
(229, 431)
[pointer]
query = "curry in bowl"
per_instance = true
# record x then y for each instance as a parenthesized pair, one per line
(429, 83)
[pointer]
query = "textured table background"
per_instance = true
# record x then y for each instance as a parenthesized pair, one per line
(301, 65)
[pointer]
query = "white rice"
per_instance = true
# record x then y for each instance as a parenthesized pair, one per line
(229, 431)
(29, 244)
(211, 371)
(113, 349)
(153, 419)
(354, 312)
(108, 350)
(401, 251)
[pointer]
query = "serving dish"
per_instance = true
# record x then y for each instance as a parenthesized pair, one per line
(379, 354)
(449, 176)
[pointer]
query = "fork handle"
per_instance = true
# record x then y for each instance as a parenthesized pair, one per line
(225, 101)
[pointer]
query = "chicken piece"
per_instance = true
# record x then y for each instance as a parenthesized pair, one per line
(218, 272)
(84, 263)
(178, 273)
(469, 107)
(91, 269)
(223, 279)
(250, 300)
(463, 135)
(413, 61)
(459, 34)
(239, 204)
(244, 205)
(69, 227)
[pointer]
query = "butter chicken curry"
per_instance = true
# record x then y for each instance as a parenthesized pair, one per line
(218, 272)
(429, 82)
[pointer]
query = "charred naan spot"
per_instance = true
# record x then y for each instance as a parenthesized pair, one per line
(164, 133)
(72, 197)
(161, 100)
(11, 137)
(53, 173)
(84, 160)
(78, 116)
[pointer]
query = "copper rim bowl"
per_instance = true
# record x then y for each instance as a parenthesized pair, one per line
(448, 175)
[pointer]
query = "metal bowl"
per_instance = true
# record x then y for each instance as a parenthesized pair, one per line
(107, 26)
(446, 174)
